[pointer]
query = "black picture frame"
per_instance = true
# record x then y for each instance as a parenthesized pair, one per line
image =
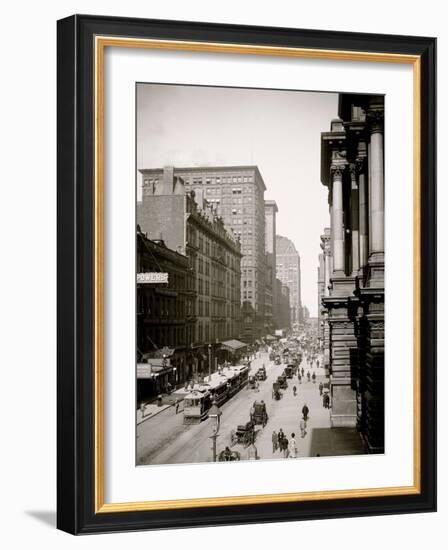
(76, 512)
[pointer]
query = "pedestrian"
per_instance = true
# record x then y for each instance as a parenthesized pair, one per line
(142, 408)
(326, 401)
(308, 375)
(321, 388)
(294, 390)
(314, 377)
(227, 454)
(252, 452)
(302, 425)
(317, 363)
(303, 371)
(285, 447)
(176, 403)
(274, 441)
(292, 446)
(300, 378)
(280, 438)
(305, 411)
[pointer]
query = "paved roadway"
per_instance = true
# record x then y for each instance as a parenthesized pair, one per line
(164, 439)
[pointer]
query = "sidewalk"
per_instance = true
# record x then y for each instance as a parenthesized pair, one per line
(152, 409)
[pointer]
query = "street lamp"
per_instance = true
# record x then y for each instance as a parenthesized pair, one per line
(209, 362)
(215, 414)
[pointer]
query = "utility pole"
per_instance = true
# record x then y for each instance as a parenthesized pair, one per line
(209, 362)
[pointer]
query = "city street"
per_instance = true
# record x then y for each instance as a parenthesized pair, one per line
(164, 439)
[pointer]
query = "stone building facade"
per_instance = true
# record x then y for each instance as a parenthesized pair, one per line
(353, 171)
(237, 196)
(189, 225)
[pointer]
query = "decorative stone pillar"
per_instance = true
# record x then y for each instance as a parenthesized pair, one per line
(363, 206)
(338, 221)
(354, 219)
(376, 193)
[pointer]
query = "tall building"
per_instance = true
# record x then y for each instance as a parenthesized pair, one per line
(189, 225)
(271, 307)
(353, 171)
(288, 271)
(237, 196)
(284, 306)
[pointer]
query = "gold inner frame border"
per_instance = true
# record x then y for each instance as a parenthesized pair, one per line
(101, 42)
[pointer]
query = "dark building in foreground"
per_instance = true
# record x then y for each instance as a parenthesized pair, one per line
(165, 317)
(353, 171)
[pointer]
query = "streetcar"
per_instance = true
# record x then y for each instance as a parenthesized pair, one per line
(289, 371)
(219, 388)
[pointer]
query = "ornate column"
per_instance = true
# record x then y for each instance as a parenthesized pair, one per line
(338, 221)
(376, 206)
(363, 206)
(354, 218)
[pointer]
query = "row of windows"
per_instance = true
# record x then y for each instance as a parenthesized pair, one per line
(209, 180)
(218, 332)
(169, 336)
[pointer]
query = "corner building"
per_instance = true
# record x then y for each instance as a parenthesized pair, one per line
(187, 224)
(236, 194)
(353, 171)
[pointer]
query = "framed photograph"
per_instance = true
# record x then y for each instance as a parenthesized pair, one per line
(246, 274)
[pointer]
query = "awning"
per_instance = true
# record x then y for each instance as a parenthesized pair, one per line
(233, 345)
(158, 354)
(153, 368)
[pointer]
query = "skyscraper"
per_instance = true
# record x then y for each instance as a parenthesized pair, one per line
(271, 306)
(288, 271)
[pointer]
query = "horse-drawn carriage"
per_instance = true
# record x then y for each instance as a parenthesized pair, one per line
(258, 413)
(289, 371)
(244, 434)
(276, 393)
(227, 455)
(252, 382)
(282, 382)
(261, 373)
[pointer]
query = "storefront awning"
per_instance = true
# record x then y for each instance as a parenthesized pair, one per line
(233, 345)
(158, 354)
(153, 368)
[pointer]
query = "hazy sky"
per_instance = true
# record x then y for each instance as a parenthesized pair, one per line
(276, 130)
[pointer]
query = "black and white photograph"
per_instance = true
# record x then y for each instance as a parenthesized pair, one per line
(260, 266)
